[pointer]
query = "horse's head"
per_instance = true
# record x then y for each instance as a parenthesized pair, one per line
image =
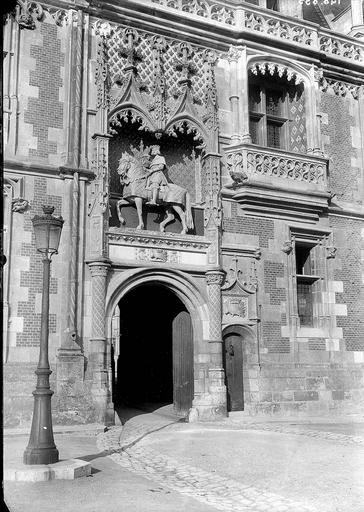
(125, 163)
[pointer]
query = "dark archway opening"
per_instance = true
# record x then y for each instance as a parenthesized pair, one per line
(148, 363)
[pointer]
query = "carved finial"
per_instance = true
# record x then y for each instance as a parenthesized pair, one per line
(184, 64)
(331, 252)
(287, 246)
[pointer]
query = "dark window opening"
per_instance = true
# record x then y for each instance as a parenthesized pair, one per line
(273, 5)
(306, 278)
(268, 115)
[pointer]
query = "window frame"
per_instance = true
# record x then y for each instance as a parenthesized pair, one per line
(320, 241)
(263, 118)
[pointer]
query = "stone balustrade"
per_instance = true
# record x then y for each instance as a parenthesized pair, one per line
(271, 24)
(248, 163)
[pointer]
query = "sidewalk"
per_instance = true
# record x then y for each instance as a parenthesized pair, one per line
(158, 463)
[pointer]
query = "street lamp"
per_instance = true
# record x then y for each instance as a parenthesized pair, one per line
(41, 448)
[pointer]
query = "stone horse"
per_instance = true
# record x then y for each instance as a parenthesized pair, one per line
(133, 174)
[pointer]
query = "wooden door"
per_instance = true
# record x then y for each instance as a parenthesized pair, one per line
(182, 363)
(233, 356)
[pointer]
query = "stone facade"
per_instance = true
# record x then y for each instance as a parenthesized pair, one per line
(87, 85)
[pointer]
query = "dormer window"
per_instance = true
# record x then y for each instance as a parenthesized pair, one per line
(268, 116)
(273, 5)
(277, 116)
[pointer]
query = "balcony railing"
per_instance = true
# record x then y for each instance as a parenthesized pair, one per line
(271, 24)
(247, 163)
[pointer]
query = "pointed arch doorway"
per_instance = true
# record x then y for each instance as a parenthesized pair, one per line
(153, 355)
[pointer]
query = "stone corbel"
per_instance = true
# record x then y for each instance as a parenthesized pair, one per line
(27, 13)
(331, 252)
(19, 205)
(287, 246)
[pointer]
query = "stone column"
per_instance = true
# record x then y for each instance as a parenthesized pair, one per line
(357, 13)
(244, 97)
(233, 58)
(97, 350)
(290, 8)
(217, 388)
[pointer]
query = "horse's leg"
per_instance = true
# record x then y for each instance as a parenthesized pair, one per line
(139, 206)
(182, 216)
(167, 220)
(119, 205)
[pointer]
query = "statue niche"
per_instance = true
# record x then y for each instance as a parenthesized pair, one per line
(155, 187)
(144, 182)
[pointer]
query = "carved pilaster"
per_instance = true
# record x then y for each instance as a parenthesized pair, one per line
(211, 117)
(213, 206)
(233, 57)
(98, 205)
(214, 280)
(159, 106)
(97, 348)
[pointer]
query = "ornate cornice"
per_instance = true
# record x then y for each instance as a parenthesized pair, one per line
(155, 239)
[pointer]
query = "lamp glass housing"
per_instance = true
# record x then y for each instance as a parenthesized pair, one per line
(47, 230)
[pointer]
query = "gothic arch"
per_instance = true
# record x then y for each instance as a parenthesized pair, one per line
(244, 331)
(178, 282)
(282, 63)
(137, 114)
(193, 125)
(270, 64)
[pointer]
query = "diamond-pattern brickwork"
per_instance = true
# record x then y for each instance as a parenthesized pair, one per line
(146, 66)
(297, 125)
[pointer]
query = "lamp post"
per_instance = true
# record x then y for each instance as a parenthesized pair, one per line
(41, 448)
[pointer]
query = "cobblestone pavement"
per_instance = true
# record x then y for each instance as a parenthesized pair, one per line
(298, 430)
(217, 491)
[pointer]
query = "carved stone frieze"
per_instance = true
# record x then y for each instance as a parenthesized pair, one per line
(205, 8)
(341, 48)
(271, 68)
(167, 240)
(157, 255)
(271, 25)
(337, 87)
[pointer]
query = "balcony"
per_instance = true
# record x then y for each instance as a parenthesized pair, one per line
(274, 182)
(242, 19)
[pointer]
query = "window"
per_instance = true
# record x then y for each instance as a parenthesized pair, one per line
(268, 115)
(306, 279)
(273, 5)
(269, 4)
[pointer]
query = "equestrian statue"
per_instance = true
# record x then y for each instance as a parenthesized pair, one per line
(144, 182)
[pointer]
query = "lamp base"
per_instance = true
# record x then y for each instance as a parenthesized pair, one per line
(34, 455)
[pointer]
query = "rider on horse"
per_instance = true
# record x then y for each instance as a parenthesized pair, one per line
(156, 178)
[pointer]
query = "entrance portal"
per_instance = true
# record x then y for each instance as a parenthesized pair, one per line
(233, 363)
(154, 365)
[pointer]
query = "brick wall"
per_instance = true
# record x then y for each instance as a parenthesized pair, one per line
(348, 240)
(45, 111)
(264, 228)
(32, 279)
(337, 131)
